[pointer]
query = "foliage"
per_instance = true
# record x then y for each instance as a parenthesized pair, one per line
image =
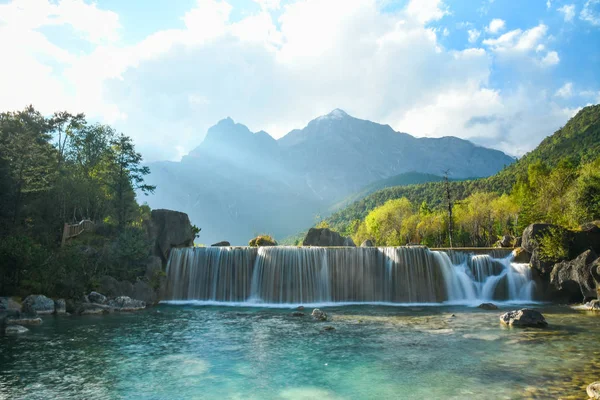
(262, 240)
(558, 182)
(554, 245)
(61, 169)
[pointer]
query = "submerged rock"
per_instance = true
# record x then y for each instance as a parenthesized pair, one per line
(487, 306)
(593, 390)
(92, 309)
(319, 315)
(124, 303)
(96, 298)
(298, 314)
(60, 306)
(300, 308)
(15, 329)
(23, 320)
(325, 237)
(525, 317)
(328, 328)
(37, 303)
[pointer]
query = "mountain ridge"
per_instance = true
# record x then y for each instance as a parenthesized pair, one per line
(238, 183)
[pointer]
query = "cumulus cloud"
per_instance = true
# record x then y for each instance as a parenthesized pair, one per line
(496, 25)
(167, 89)
(568, 11)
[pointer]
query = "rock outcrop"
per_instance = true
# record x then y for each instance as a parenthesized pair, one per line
(8, 304)
(367, 243)
(573, 279)
(96, 298)
(325, 237)
(223, 243)
(506, 241)
(141, 290)
(524, 318)
(38, 304)
(168, 229)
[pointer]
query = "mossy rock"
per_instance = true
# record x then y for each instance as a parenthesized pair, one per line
(262, 240)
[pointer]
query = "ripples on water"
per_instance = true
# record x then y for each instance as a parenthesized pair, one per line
(177, 352)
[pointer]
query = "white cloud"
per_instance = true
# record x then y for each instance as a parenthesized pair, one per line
(426, 10)
(496, 25)
(473, 35)
(566, 91)
(548, 4)
(591, 12)
(167, 89)
(569, 12)
(518, 44)
(550, 59)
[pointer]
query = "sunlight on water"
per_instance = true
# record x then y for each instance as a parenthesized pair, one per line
(208, 352)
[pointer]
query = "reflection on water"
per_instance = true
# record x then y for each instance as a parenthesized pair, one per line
(173, 352)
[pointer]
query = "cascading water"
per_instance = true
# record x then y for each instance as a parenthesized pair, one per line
(316, 275)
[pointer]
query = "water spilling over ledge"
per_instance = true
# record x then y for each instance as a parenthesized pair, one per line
(321, 275)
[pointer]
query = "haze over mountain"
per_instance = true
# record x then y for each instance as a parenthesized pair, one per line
(237, 183)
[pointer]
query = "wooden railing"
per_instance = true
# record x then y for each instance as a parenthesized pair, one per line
(70, 231)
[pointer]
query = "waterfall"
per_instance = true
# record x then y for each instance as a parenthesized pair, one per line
(317, 275)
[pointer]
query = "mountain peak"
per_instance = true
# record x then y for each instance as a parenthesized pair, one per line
(335, 114)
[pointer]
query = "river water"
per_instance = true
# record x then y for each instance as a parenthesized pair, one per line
(382, 352)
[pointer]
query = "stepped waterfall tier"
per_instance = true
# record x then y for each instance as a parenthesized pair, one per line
(317, 275)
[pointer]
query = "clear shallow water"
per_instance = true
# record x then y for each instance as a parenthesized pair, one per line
(211, 352)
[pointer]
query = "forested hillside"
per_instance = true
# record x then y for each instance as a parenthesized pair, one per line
(63, 169)
(557, 173)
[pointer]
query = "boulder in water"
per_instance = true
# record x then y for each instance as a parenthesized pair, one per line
(525, 317)
(319, 315)
(487, 306)
(328, 328)
(300, 308)
(573, 279)
(38, 304)
(325, 237)
(124, 303)
(60, 306)
(262, 240)
(593, 305)
(96, 298)
(15, 329)
(223, 243)
(298, 314)
(593, 390)
(367, 243)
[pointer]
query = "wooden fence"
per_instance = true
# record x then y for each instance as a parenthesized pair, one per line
(70, 231)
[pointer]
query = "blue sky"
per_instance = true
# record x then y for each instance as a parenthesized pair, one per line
(501, 73)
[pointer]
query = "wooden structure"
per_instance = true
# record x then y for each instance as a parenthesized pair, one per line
(70, 231)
